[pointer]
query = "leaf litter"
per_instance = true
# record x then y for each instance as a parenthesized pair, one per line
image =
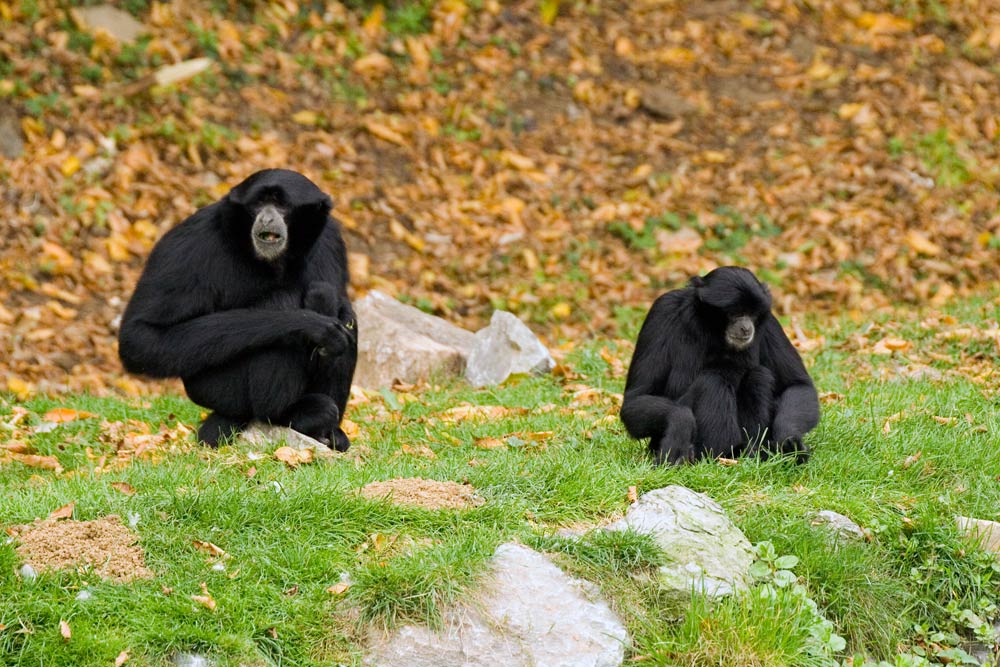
(615, 150)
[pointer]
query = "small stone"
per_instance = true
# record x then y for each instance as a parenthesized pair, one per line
(191, 660)
(802, 48)
(507, 346)
(11, 139)
(119, 24)
(84, 595)
(28, 573)
(983, 532)
(665, 103)
(707, 551)
(219, 567)
(259, 434)
(839, 524)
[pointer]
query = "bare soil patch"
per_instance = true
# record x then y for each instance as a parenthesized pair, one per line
(426, 493)
(105, 545)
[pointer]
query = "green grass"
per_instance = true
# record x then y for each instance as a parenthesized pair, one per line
(292, 533)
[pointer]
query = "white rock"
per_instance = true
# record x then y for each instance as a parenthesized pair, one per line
(708, 553)
(400, 342)
(119, 24)
(986, 533)
(28, 573)
(84, 595)
(839, 524)
(191, 660)
(507, 346)
(530, 614)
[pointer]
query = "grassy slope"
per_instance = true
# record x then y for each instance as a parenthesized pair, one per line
(302, 528)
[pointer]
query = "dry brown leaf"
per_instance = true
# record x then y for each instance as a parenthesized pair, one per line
(338, 588)
(386, 133)
(38, 461)
(887, 426)
(64, 512)
(293, 457)
(944, 420)
(213, 549)
(64, 630)
(883, 22)
(920, 244)
(62, 415)
(375, 65)
(306, 117)
(205, 599)
(911, 459)
(633, 495)
(123, 487)
(419, 450)
(490, 443)
(891, 344)
(350, 428)
(121, 659)
(16, 447)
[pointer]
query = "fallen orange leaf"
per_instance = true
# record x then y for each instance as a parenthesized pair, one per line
(213, 549)
(65, 631)
(61, 415)
(293, 457)
(64, 512)
(419, 450)
(124, 487)
(37, 461)
(338, 589)
(490, 443)
(205, 599)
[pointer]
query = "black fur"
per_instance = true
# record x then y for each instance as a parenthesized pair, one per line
(251, 339)
(692, 395)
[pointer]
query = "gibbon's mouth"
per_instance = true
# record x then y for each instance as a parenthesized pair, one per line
(270, 233)
(270, 237)
(739, 342)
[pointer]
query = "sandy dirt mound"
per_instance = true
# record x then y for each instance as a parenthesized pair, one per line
(426, 493)
(107, 546)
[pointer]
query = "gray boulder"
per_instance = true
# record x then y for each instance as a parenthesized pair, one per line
(400, 342)
(506, 347)
(530, 614)
(708, 553)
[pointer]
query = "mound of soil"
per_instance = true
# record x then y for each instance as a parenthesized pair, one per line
(426, 493)
(109, 548)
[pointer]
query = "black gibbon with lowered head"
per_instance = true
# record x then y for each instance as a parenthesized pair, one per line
(246, 301)
(713, 374)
